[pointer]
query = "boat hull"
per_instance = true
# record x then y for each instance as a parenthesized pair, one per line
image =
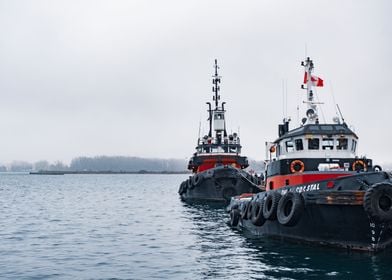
(218, 184)
(336, 217)
(353, 230)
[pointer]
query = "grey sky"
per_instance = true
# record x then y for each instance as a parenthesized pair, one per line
(132, 77)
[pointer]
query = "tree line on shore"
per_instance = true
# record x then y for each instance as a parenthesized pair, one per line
(110, 163)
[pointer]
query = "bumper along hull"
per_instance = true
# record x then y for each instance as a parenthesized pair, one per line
(348, 215)
(218, 184)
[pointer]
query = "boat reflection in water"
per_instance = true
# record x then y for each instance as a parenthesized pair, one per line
(223, 253)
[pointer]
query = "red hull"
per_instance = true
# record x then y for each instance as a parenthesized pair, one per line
(211, 163)
(279, 181)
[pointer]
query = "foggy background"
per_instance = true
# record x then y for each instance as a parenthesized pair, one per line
(131, 78)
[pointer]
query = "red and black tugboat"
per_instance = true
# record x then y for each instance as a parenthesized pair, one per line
(217, 165)
(317, 189)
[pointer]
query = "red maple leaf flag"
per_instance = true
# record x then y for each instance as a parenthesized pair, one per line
(316, 81)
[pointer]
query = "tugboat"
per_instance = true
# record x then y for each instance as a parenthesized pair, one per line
(217, 166)
(317, 189)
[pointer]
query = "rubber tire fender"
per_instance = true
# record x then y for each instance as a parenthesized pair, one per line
(270, 207)
(378, 202)
(189, 184)
(196, 179)
(182, 189)
(244, 209)
(249, 211)
(290, 209)
(257, 213)
(234, 217)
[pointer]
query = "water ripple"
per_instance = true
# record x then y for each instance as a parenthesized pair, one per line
(135, 227)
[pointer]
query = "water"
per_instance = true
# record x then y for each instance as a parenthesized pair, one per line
(135, 227)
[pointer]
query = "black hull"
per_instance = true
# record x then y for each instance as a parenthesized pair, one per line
(352, 230)
(218, 184)
(336, 218)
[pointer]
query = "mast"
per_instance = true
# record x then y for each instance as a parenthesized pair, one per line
(311, 112)
(216, 116)
(216, 81)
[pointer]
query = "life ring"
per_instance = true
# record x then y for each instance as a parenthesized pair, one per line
(290, 209)
(360, 163)
(234, 217)
(378, 202)
(257, 213)
(271, 205)
(377, 168)
(297, 166)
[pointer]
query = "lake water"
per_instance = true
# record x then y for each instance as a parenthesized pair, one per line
(136, 227)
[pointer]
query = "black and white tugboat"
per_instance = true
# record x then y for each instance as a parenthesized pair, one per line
(317, 189)
(217, 165)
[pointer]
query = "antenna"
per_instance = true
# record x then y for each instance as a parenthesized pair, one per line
(340, 112)
(199, 127)
(333, 98)
(286, 98)
(284, 115)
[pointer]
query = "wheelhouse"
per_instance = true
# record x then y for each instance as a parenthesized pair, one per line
(312, 151)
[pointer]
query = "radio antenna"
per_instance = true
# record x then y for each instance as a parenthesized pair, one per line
(340, 112)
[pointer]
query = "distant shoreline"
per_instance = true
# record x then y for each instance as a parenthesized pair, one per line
(47, 172)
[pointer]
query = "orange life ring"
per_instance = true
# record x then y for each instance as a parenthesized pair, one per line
(295, 163)
(359, 162)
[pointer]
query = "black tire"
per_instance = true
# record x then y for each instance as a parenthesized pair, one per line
(378, 202)
(234, 217)
(290, 209)
(257, 213)
(189, 184)
(244, 210)
(196, 179)
(270, 207)
(228, 193)
(249, 211)
(182, 188)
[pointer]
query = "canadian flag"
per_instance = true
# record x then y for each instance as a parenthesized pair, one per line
(316, 81)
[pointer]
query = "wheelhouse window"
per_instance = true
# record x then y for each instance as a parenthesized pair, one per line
(353, 145)
(342, 144)
(289, 146)
(327, 144)
(299, 146)
(313, 144)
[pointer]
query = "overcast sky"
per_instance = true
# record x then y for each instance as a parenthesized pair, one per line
(87, 78)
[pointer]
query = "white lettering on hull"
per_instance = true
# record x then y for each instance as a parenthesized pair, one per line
(305, 188)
